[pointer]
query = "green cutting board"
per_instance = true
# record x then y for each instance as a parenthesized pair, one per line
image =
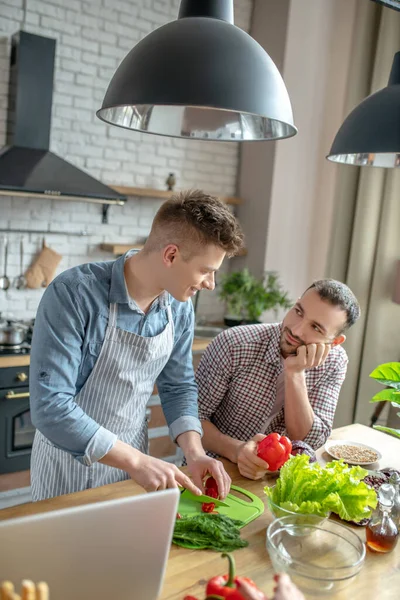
(245, 510)
(238, 508)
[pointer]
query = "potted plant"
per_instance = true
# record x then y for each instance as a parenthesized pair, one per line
(247, 296)
(388, 374)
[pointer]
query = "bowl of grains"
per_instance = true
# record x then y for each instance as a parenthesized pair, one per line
(352, 453)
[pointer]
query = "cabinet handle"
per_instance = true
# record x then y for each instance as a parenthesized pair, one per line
(13, 396)
(22, 376)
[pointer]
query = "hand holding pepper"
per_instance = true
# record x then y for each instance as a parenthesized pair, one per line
(249, 464)
(275, 449)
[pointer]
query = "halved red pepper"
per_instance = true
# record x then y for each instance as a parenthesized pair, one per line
(211, 484)
(211, 489)
(208, 507)
(275, 449)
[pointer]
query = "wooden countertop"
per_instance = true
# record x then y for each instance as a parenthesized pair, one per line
(15, 361)
(199, 345)
(187, 570)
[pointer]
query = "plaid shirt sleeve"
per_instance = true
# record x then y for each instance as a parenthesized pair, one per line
(323, 398)
(213, 375)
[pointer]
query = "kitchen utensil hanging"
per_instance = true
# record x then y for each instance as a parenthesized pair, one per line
(20, 281)
(4, 280)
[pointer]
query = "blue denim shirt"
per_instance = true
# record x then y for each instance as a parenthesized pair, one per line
(69, 330)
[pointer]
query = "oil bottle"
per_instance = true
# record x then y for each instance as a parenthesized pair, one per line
(382, 532)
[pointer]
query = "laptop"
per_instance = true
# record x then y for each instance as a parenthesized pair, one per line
(113, 550)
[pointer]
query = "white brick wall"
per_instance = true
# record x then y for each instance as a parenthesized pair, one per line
(93, 36)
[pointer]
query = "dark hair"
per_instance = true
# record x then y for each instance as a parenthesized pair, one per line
(338, 294)
(192, 219)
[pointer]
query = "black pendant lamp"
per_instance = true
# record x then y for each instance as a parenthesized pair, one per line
(390, 3)
(370, 135)
(200, 77)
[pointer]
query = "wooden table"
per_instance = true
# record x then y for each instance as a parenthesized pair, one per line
(188, 570)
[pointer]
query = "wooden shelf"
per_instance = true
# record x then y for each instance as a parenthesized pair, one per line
(163, 194)
(119, 249)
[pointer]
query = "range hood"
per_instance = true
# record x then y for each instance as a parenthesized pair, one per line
(27, 166)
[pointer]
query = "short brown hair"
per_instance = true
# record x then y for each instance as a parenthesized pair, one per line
(193, 219)
(338, 294)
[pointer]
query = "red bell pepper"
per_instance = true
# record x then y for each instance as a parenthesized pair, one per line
(208, 507)
(211, 489)
(211, 484)
(226, 586)
(275, 449)
(212, 493)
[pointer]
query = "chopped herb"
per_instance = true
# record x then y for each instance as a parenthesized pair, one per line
(214, 531)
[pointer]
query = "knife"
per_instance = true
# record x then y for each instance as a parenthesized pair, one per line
(203, 498)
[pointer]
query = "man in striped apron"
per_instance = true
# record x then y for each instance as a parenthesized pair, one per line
(104, 334)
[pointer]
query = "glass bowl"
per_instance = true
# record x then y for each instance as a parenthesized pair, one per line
(321, 558)
(279, 512)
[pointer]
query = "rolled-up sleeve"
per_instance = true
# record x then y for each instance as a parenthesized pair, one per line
(176, 383)
(323, 398)
(55, 362)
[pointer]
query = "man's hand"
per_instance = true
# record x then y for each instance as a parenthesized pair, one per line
(155, 474)
(249, 464)
(199, 464)
(151, 473)
(312, 355)
(284, 589)
(202, 465)
(248, 592)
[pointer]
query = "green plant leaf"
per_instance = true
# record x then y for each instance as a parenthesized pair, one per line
(395, 432)
(387, 396)
(234, 288)
(248, 296)
(387, 374)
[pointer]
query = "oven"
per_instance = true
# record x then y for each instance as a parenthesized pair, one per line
(16, 429)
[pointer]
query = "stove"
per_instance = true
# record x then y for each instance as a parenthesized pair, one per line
(15, 350)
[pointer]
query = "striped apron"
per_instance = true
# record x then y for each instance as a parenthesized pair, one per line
(115, 395)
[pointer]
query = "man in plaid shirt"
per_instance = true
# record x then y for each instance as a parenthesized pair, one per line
(283, 377)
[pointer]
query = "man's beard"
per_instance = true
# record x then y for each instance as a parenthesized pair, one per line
(286, 348)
